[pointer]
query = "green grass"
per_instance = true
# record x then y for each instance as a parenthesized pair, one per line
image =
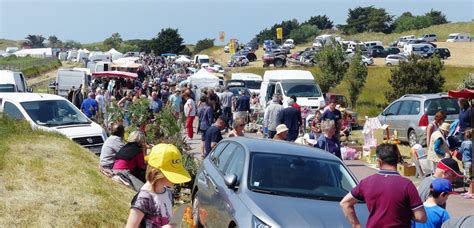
(442, 31)
(4, 43)
(51, 181)
(31, 67)
(209, 51)
(372, 99)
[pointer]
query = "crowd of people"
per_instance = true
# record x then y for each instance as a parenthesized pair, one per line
(391, 199)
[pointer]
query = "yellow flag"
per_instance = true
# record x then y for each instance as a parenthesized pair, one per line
(232, 46)
(279, 33)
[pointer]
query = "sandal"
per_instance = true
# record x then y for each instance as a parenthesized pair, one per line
(468, 196)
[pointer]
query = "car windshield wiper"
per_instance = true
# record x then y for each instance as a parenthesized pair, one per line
(266, 191)
(68, 123)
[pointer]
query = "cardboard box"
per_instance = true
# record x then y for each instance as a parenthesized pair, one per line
(406, 169)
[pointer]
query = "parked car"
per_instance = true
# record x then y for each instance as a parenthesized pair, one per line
(278, 59)
(375, 53)
(429, 37)
(250, 55)
(54, 114)
(226, 49)
(402, 40)
(423, 50)
(238, 61)
(248, 182)
(459, 37)
(443, 53)
(411, 114)
(372, 44)
(365, 60)
(392, 60)
(289, 43)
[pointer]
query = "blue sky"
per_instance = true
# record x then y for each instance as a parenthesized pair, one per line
(94, 20)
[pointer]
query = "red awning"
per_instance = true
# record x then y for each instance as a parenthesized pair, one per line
(115, 74)
(465, 93)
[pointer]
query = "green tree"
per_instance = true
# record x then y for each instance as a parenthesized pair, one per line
(367, 19)
(437, 17)
(167, 41)
(321, 22)
(331, 61)
(203, 44)
(143, 45)
(127, 47)
(407, 22)
(54, 42)
(304, 33)
(186, 51)
(113, 41)
(415, 77)
(34, 41)
(270, 33)
(72, 44)
(356, 77)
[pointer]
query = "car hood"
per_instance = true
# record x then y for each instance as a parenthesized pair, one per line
(283, 211)
(77, 130)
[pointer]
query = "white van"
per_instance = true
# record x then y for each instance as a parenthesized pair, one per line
(322, 40)
(423, 50)
(11, 81)
(55, 114)
(289, 43)
(299, 83)
(68, 78)
(459, 37)
(252, 81)
(200, 59)
(370, 44)
(99, 66)
(404, 39)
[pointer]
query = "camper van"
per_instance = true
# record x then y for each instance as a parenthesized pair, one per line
(370, 44)
(99, 66)
(423, 50)
(200, 59)
(459, 37)
(291, 82)
(322, 40)
(68, 78)
(404, 39)
(252, 81)
(11, 81)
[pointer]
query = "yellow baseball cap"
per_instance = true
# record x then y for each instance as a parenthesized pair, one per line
(168, 159)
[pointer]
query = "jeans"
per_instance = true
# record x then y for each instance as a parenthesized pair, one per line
(227, 112)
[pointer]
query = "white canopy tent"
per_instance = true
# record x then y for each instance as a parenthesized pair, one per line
(115, 54)
(35, 52)
(183, 59)
(202, 79)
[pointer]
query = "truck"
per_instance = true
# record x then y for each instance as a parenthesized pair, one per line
(68, 78)
(200, 59)
(252, 81)
(287, 83)
(13, 81)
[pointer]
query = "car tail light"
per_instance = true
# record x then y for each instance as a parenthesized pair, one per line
(423, 121)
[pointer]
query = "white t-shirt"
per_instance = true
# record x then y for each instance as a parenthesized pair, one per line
(190, 108)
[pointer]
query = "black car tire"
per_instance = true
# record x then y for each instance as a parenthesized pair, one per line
(251, 57)
(195, 212)
(389, 64)
(412, 139)
(279, 63)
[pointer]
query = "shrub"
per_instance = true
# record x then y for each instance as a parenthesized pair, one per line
(356, 77)
(203, 44)
(304, 33)
(415, 77)
(331, 61)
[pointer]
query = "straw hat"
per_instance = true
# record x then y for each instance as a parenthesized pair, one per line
(281, 128)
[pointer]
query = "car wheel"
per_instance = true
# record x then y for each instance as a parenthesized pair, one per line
(366, 64)
(412, 139)
(196, 220)
(278, 63)
(389, 64)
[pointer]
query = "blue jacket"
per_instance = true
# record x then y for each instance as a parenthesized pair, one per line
(243, 104)
(291, 117)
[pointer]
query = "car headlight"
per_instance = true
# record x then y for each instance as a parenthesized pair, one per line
(257, 223)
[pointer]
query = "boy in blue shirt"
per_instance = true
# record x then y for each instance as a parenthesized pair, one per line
(439, 192)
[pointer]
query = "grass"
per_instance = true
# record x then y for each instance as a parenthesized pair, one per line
(48, 180)
(4, 43)
(372, 99)
(442, 31)
(30, 66)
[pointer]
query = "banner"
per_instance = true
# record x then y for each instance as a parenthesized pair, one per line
(232, 46)
(279, 33)
(222, 36)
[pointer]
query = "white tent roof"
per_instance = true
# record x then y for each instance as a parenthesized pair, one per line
(35, 52)
(113, 52)
(183, 59)
(203, 73)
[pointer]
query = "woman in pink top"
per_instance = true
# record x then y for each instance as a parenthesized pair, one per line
(131, 158)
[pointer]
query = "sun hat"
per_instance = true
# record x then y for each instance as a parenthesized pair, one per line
(168, 159)
(281, 128)
(441, 185)
(449, 164)
(445, 127)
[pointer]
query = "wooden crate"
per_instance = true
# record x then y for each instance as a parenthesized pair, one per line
(406, 169)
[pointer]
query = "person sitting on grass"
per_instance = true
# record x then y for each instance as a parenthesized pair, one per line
(152, 206)
(435, 214)
(130, 160)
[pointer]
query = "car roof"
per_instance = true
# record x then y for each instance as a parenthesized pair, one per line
(287, 74)
(22, 97)
(280, 147)
(426, 96)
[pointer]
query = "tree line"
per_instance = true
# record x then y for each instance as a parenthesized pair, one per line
(359, 19)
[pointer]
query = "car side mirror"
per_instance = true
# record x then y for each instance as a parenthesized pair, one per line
(230, 180)
(29, 89)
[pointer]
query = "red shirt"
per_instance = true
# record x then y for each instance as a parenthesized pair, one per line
(390, 199)
(136, 162)
(295, 105)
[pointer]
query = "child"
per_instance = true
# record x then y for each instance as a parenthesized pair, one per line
(435, 215)
(152, 205)
(466, 151)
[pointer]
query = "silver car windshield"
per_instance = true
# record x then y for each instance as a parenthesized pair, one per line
(54, 113)
(297, 176)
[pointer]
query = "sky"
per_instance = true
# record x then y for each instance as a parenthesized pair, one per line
(89, 21)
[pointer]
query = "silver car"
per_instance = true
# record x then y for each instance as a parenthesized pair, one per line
(392, 60)
(411, 114)
(265, 183)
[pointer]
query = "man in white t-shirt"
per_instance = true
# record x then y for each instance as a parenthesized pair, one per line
(190, 113)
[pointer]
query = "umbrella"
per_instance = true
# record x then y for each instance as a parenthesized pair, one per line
(464, 93)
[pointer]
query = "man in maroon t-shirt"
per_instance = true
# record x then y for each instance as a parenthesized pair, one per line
(392, 200)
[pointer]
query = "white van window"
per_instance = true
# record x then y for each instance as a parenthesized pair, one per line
(54, 113)
(253, 84)
(12, 111)
(6, 88)
(301, 89)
